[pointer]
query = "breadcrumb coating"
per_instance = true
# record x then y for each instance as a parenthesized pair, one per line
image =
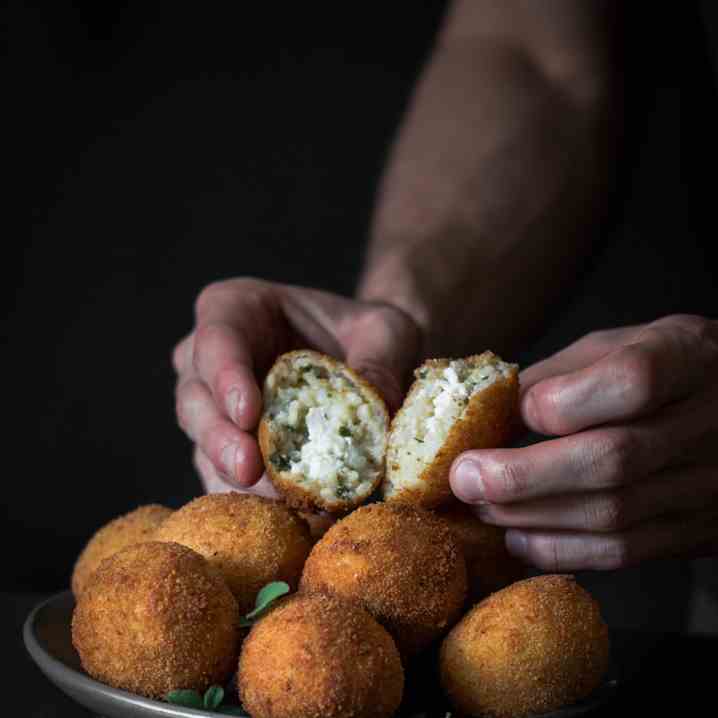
(533, 647)
(134, 527)
(402, 563)
(156, 617)
(316, 656)
(489, 565)
(251, 540)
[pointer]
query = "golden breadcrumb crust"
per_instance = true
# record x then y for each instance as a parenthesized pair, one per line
(156, 617)
(134, 527)
(315, 656)
(319, 523)
(401, 563)
(489, 565)
(251, 540)
(285, 482)
(530, 648)
(487, 422)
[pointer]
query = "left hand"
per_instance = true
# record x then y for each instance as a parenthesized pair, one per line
(633, 474)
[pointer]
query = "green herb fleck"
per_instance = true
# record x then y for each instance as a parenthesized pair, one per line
(187, 698)
(268, 595)
(344, 430)
(280, 461)
(342, 490)
(423, 373)
(416, 438)
(212, 701)
(213, 697)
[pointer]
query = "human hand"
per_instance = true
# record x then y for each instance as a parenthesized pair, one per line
(633, 473)
(241, 326)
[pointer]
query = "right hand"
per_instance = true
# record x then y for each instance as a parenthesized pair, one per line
(241, 327)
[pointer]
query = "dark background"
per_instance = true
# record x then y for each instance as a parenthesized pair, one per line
(164, 148)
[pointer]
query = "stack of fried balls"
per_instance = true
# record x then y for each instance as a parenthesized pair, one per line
(376, 588)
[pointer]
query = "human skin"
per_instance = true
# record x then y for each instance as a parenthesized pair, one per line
(632, 472)
(489, 199)
(509, 93)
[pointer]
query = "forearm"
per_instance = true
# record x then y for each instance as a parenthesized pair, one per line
(488, 199)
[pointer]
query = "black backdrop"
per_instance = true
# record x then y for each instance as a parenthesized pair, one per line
(163, 148)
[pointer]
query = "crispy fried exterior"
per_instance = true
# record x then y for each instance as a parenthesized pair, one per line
(315, 656)
(155, 617)
(137, 526)
(488, 422)
(531, 648)
(318, 524)
(401, 563)
(249, 539)
(489, 566)
(285, 482)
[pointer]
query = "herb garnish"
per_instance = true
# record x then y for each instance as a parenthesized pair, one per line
(212, 701)
(265, 598)
(344, 430)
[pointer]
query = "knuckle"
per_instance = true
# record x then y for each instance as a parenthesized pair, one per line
(614, 553)
(546, 553)
(637, 377)
(607, 513)
(699, 326)
(513, 480)
(208, 297)
(610, 459)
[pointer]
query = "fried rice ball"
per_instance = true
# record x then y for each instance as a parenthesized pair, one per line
(489, 565)
(319, 523)
(402, 563)
(453, 405)
(251, 540)
(323, 433)
(533, 647)
(155, 617)
(317, 656)
(136, 526)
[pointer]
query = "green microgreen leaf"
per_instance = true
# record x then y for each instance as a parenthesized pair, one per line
(185, 697)
(270, 593)
(213, 697)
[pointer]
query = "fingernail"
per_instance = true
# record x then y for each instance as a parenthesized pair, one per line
(234, 404)
(229, 460)
(517, 543)
(467, 483)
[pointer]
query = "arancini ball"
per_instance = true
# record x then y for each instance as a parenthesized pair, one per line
(402, 563)
(317, 656)
(251, 540)
(532, 647)
(156, 617)
(489, 565)
(453, 405)
(136, 526)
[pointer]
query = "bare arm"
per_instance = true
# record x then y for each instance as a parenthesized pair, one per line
(498, 172)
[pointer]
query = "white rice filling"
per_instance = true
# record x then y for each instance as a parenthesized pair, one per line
(440, 400)
(331, 438)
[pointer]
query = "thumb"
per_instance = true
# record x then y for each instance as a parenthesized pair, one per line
(383, 347)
